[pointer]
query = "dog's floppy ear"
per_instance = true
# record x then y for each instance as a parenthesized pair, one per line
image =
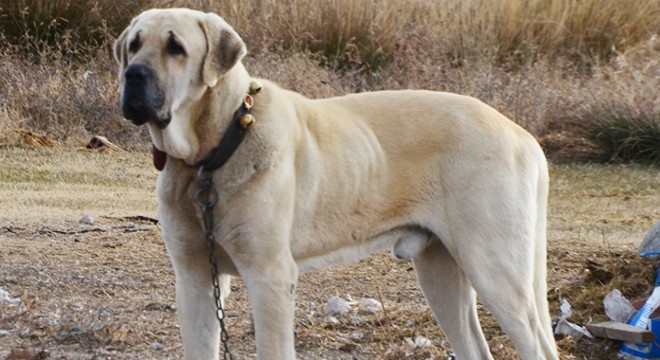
(224, 48)
(120, 47)
(120, 50)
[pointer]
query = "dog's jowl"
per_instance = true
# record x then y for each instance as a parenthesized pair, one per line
(442, 179)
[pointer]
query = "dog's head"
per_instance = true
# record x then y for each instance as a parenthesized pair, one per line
(168, 59)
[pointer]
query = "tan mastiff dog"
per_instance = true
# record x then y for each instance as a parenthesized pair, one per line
(443, 179)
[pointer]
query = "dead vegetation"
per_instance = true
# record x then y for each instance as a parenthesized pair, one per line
(554, 67)
(105, 290)
(110, 294)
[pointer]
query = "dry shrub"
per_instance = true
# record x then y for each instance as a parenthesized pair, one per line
(63, 100)
(622, 136)
(616, 111)
(523, 29)
(366, 33)
(86, 24)
(9, 133)
(455, 30)
(543, 64)
(360, 34)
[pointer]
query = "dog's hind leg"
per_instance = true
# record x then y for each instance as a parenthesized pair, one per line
(504, 279)
(503, 252)
(501, 255)
(452, 300)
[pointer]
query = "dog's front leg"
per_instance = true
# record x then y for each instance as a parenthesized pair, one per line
(271, 283)
(200, 330)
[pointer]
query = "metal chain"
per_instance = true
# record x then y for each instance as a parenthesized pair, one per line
(206, 198)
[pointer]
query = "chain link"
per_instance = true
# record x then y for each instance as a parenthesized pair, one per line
(206, 198)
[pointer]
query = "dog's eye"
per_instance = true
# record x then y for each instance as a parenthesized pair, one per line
(174, 48)
(134, 46)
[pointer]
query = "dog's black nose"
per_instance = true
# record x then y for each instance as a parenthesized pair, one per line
(136, 73)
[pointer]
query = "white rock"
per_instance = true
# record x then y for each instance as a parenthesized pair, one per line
(371, 310)
(337, 306)
(86, 220)
(369, 306)
(357, 336)
(356, 320)
(565, 309)
(565, 327)
(419, 342)
(617, 307)
(17, 305)
(7, 299)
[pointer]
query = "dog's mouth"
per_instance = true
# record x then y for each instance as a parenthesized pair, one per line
(139, 113)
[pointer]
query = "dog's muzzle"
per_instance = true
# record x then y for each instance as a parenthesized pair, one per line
(141, 97)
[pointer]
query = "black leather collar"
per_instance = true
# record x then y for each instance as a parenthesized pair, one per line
(228, 144)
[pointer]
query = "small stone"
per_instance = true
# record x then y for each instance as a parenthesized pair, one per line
(357, 336)
(371, 310)
(356, 320)
(157, 346)
(370, 306)
(336, 306)
(419, 342)
(15, 305)
(86, 220)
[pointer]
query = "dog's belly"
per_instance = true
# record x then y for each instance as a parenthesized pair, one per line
(398, 239)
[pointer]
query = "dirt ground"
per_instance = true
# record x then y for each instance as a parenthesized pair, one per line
(105, 290)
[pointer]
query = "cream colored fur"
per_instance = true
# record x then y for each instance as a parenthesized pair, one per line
(444, 179)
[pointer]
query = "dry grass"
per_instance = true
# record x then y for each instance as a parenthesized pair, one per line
(73, 26)
(110, 293)
(586, 31)
(37, 184)
(462, 30)
(547, 65)
(61, 98)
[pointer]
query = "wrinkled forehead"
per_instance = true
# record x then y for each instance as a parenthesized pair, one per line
(158, 26)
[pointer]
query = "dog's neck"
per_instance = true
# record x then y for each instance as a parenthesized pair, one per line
(220, 131)
(234, 134)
